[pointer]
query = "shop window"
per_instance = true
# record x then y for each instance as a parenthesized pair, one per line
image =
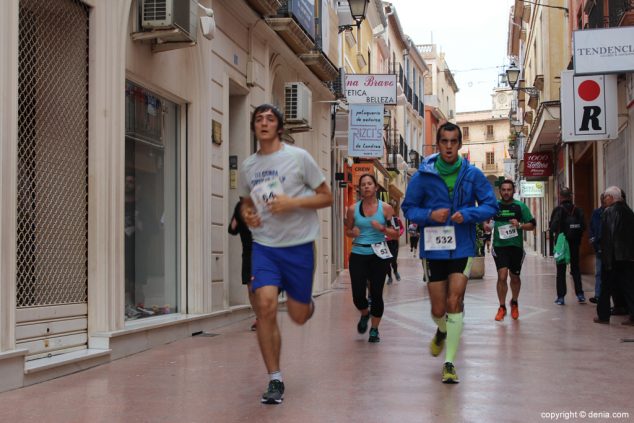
(151, 204)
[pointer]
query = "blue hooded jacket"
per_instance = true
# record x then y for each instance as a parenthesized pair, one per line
(427, 192)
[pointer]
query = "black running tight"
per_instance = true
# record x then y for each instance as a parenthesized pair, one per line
(366, 269)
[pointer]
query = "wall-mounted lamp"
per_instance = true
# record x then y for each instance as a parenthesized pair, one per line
(357, 10)
(518, 127)
(512, 76)
(413, 158)
(207, 22)
(387, 119)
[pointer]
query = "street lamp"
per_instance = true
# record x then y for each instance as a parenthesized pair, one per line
(413, 158)
(512, 76)
(357, 10)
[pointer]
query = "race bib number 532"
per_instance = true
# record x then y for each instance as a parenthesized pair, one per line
(440, 238)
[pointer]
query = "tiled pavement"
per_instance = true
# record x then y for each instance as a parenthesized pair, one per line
(554, 359)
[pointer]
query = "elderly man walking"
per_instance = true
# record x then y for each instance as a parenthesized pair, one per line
(617, 254)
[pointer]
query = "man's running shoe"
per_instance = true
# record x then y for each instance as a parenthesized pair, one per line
(275, 393)
(254, 326)
(501, 313)
(437, 343)
(449, 374)
(515, 310)
(398, 276)
(362, 326)
(559, 301)
(374, 335)
(389, 280)
(581, 299)
(593, 300)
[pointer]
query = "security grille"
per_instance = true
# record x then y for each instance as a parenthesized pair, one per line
(52, 215)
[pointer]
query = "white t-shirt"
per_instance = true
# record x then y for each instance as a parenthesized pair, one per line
(299, 175)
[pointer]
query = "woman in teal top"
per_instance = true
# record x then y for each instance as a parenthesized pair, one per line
(368, 221)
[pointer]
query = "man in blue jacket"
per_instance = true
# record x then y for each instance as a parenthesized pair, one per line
(447, 197)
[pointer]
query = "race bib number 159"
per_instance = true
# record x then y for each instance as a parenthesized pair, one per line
(440, 238)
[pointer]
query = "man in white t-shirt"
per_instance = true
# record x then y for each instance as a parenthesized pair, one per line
(282, 187)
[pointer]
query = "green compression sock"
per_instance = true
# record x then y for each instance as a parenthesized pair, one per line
(454, 330)
(441, 322)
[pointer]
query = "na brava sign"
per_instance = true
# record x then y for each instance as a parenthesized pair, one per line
(371, 89)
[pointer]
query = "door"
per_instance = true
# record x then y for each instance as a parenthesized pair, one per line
(52, 191)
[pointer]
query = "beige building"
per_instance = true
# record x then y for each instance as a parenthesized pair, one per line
(122, 136)
(440, 94)
(485, 136)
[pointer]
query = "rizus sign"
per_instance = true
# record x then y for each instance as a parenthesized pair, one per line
(538, 165)
(588, 107)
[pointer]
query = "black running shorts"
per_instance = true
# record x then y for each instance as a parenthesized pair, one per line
(509, 257)
(439, 270)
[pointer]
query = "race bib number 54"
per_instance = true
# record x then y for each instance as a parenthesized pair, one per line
(440, 238)
(265, 191)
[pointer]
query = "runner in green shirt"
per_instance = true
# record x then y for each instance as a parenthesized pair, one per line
(512, 218)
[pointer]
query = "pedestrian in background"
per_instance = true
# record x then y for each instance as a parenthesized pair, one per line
(414, 236)
(617, 254)
(237, 226)
(568, 219)
(595, 238)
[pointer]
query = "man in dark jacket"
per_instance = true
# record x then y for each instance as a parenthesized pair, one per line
(568, 219)
(595, 237)
(617, 254)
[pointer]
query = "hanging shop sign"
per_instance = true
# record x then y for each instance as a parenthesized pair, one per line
(371, 89)
(589, 109)
(365, 131)
(359, 169)
(531, 189)
(605, 50)
(538, 165)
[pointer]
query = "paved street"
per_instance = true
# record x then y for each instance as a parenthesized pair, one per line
(554, 359)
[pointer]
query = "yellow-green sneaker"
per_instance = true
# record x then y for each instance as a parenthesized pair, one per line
(437, 343)
(449, 374)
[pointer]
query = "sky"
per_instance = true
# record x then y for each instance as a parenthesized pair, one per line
(473, 36)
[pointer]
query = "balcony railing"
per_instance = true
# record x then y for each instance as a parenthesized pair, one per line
(621, 12)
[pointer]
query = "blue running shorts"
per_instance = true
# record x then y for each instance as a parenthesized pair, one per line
(289, 268)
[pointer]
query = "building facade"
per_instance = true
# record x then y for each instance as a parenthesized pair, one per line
(540, 41)
(121, 145)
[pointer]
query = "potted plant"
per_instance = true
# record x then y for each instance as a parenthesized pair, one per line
(477, 265)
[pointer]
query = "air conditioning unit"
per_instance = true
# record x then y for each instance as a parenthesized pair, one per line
(297, 105)
(171, 20)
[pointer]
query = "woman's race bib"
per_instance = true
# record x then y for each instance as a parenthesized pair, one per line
(381, 250)
(507, 231)
(440, 238)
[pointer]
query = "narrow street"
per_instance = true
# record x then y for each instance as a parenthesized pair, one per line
(552, 360)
